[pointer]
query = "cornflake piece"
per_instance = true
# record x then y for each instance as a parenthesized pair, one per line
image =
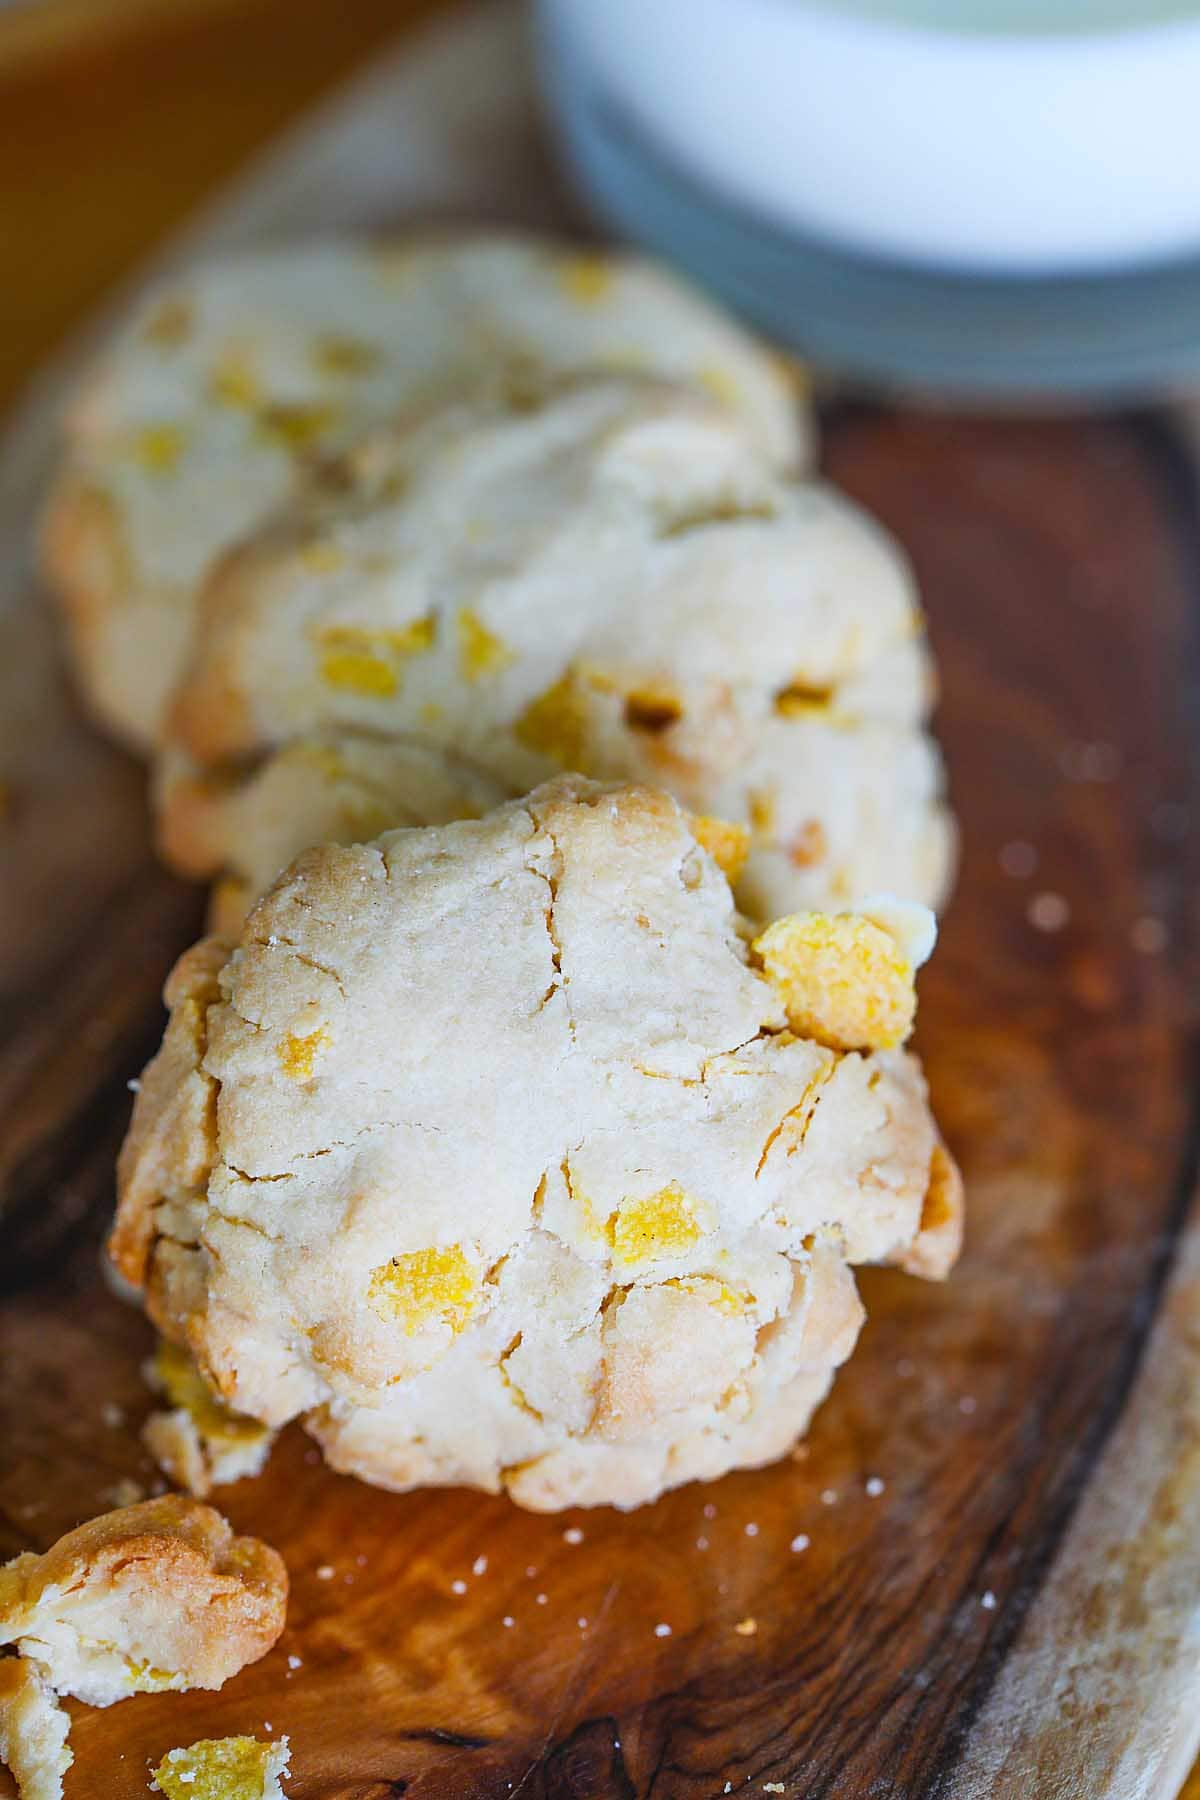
(844, 980)
(232, 1768)
(201, 1443)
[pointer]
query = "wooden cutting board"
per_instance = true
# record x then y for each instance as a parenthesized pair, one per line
(1015, 1611)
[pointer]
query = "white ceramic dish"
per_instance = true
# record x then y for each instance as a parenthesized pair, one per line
(1017, 136)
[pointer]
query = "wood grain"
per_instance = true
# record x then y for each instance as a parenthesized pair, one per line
(1059, 563)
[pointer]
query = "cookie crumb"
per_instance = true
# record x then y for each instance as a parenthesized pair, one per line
(1048, 912)
(1148, 936)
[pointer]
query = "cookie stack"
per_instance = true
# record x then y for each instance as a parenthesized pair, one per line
(524, 1131)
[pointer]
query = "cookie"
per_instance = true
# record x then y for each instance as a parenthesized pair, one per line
(230, 382)
(330, 788)
(490, 1152)
(152, 1597)
(33, 1731)
(606, 578)
(155, 1597)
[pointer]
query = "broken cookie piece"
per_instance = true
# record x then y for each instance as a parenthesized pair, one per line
(200, 1443)
(33, 1731)
(232, 1768)
(496, 1159)
(152, 1597)
(160, 1595)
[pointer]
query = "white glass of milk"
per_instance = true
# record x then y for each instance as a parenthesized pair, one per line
(1004, 137)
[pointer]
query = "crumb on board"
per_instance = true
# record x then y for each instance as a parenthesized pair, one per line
(233, 1768)
(1048, 912)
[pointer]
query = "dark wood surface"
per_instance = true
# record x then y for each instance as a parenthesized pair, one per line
(1060, 566)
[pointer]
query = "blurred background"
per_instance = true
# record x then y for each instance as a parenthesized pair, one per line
(991, 199)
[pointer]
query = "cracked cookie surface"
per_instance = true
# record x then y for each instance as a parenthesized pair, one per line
(489, 1152)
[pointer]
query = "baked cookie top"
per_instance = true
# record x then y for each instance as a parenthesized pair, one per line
(602, 576)
(505, 1103)
(231, 380)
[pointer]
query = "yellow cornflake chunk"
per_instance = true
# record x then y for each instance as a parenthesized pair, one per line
(717, 1294)
(587, 280)
(746, 1627)
(369, 662)
(726, 843)
(233, 1768)
(844, 982)
(801, 701)
(656, 1226)
(720, 384)
(762, 812)
(426, 1287)
(297, 427)
(159, 448)
(298, 1055)
(334, 355)
(322, 559)
(652, 709)
(170, 324)
(184, 1386)
(145, 1679)
(234, 383)
(554, 724)
(480, 651)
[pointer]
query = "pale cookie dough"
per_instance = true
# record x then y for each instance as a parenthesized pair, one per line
(234, 1768)
(606, 578)
(229, 383)
(152, 1597)
(33, 1731)
(489, 1152)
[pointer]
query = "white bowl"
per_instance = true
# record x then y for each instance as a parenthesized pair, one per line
(998, 148)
